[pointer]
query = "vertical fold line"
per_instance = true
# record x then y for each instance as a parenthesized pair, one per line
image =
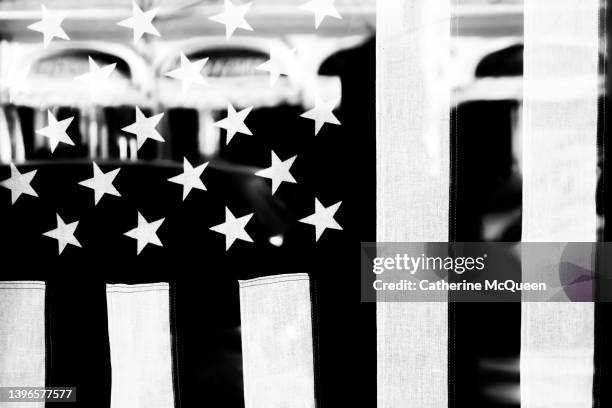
(176, 384)
(559, 194)
(452, 219)
(413, 94)
(48, 338)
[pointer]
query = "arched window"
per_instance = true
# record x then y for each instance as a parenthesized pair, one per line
(98, 118)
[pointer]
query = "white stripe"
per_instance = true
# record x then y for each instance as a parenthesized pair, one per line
(140, 345)
(277, 350)
(22, 337)
(412, 159)
(412, 341)
(559, 179)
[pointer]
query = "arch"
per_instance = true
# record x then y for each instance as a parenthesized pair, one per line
(165, 59)
(139, 73)
(501, 63)
(508, 61)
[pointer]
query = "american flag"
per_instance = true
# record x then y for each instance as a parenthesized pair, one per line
(170, 264)
(186, 184)
(557, 357)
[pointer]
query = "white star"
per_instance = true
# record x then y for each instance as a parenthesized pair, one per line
(145, 233)
(190, 178)
(321, 9)
(101, 183)
(140, 22)
(278, 171)
(97, 78)
(233, 18)
(322, 113)
(19, 183)
(277, 64)
(323, 218)
(233, 228)
(56, 131)
(144, 128)
(234, 122)
(64, 234)
(50, 25)
(189, 73)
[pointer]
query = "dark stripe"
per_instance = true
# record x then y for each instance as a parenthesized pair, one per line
(602, 358)
(48, 336)
(483, 339)
(314, 299)
(486, 347)
(174, 337)
(344, 332)
(77, 344)
(207, 360)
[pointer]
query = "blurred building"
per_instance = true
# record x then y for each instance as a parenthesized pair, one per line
(487, 76)
(138, 78)
(482, 27)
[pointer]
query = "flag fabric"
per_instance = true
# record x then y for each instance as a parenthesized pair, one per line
(22, 338)
(412, 190)
(140, 258)
(277, 341)
(418, 351)
(214, 301)
(140, 345)
(559, 192)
